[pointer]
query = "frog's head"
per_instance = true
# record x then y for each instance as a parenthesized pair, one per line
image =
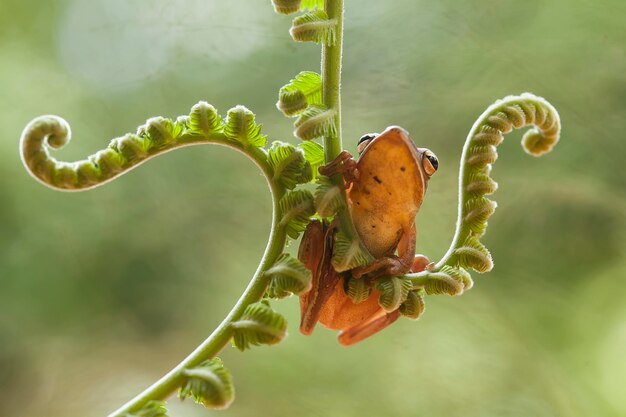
(425, 159)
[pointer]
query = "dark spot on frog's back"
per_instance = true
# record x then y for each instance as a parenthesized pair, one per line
(402, 169)
(378, 180)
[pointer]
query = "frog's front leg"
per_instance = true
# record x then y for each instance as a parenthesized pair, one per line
(393, 265)
(343, 164)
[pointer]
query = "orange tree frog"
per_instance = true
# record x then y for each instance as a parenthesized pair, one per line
(384, 190)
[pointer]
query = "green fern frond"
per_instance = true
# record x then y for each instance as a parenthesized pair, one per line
(476, 213)
(328, 197)
(132, 147)
(480, 184)
(480, 156)
(479, 153)
(209, 384)
(315, 122)
(259, 325)
(536, 143)
(487, 135)
(151, 409)
(314, 26)
(393, 292)
(286, 6)
(441, 283)
(241, 127)
(414, 305)
(204, 120)
(288, 276)
(157, 135)
(297, 208)
(358, 290)
(473, 254)
(460, 275)
(303, 91)
(349, 253)
(289, 165)
(162, 132)
(314, 153)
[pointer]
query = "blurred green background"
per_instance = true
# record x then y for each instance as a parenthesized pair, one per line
(104, 291)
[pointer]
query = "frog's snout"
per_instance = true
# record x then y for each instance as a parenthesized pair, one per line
(396, 130)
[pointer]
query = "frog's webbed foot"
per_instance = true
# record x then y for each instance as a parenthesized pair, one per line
(343, 164)
(368, 328)
(421, 263)
(386, 266)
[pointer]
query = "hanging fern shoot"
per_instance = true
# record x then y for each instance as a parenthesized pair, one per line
(364, 270)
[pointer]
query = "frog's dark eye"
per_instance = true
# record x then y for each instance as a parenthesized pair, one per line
(365, 139)
(430, 163)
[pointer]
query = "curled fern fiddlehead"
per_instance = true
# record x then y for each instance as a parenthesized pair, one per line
(466, 251)
(209, 384)
(157, 136)
(259, 325)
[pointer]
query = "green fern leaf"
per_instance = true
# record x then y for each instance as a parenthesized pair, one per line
(132, 147)
(259, 325)
(315, 122)
(414, 305)
(203, 120)
(460, 275)
(289, 164)
(473, 254)
(303, 91)
(288, 276)
(162, 132)
(314, 26)
(328, 197)
(536, 143)
(441, 283)
(358, 290)
(241, 127)
(297, 208)
(209, 384)
(393, 292)
(480, 184)
(476, 213)
(349, 254)
(314, 154)
(286, 6)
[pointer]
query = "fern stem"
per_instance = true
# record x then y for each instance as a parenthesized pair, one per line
(331, 79)
(331, 97)
(220, 337)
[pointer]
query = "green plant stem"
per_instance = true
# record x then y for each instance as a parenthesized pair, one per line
(220, 337)
(331, 79)
(331, 96)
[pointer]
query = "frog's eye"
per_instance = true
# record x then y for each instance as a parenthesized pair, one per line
(430, 163)
(365, 139)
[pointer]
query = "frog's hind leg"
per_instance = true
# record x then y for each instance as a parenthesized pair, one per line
(367, 328)
(315, 253)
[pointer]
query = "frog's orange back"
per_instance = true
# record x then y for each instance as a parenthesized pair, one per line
(389, 191)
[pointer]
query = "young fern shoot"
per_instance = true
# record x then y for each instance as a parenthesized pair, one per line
(314, 100)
